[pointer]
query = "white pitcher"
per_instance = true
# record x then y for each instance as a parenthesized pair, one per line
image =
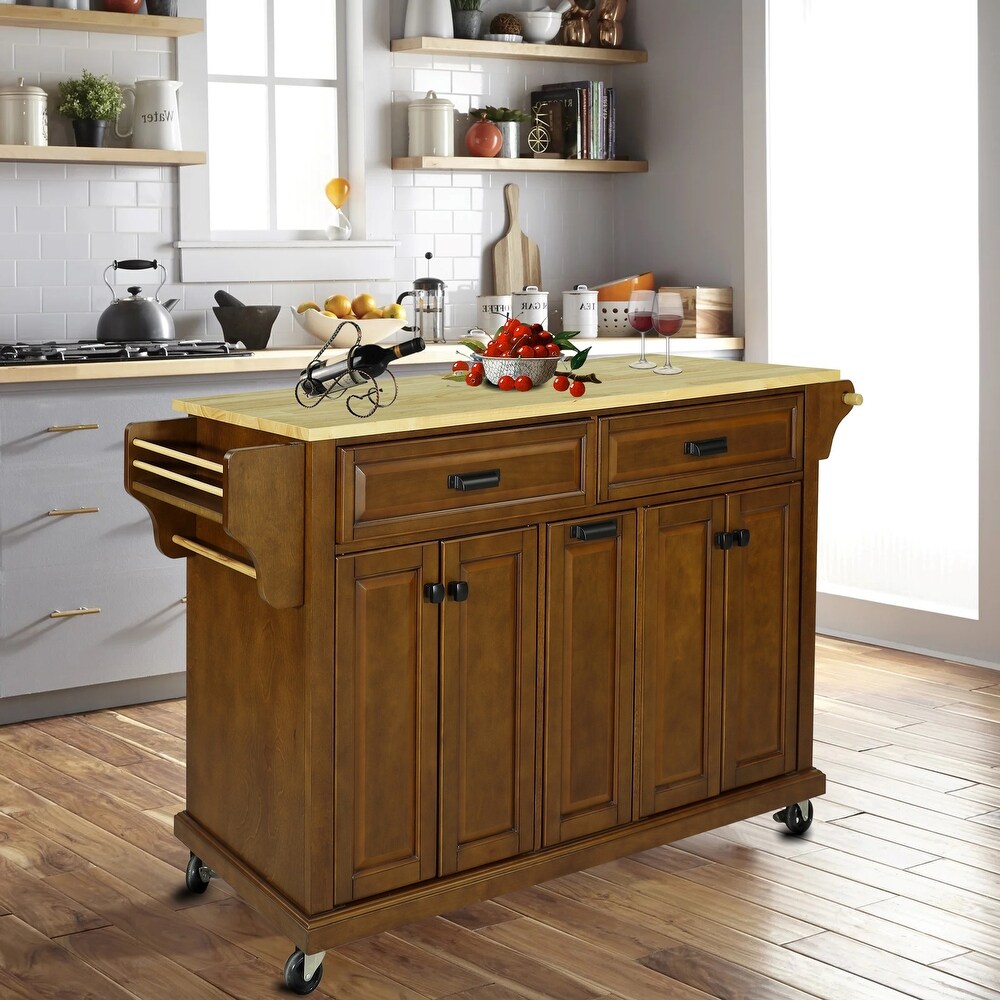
(151, 114)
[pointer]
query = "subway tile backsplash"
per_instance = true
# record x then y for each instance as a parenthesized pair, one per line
(61, 225)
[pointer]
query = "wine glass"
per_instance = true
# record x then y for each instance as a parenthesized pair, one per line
(640, 318)
(668, 316)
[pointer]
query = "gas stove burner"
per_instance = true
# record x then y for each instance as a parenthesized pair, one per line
(84, 351)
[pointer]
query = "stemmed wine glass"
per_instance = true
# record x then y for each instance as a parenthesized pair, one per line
(640, 318)
(668, 315)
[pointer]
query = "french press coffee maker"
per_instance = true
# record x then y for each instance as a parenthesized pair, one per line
(428, 308)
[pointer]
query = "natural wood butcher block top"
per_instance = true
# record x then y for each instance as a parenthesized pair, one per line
(429, 402)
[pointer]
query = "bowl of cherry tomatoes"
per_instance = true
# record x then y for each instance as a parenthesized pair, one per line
(520, 351)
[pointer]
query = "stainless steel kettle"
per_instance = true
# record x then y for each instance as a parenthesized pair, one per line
(135, 318)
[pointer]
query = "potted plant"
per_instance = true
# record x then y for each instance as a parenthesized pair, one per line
(467, 16)
(91, 102)
(508, 120)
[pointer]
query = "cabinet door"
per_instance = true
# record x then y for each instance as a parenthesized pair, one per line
(679, 660)
(589, 656)
(386, 637)
(761, 654)
(488, 643)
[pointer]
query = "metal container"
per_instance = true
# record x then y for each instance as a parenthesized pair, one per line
(24, 116)
(432, 126)
(428, 299)
(580, 311)
(135, 318)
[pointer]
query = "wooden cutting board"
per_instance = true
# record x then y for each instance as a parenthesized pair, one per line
(516, 261)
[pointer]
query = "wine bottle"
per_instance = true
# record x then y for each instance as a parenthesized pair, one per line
(361, 365)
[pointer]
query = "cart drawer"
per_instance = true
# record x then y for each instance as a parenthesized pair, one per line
(650, 453)
(448, 482)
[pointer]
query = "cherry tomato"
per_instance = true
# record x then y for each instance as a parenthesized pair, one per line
(473, 379)
(553, 350)
(505, 383)
(560, 383)
(522, 383)
(460, 366)
(577, 389)
(477, 368)
(525, 351)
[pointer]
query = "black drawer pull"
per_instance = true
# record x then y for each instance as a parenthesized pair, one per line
(458, 590)
(710, 446)
(595, 531)
(434, 593)
(741, 537)
(466, 481)
(724, 540)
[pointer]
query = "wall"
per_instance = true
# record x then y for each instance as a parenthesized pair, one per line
(60, 225)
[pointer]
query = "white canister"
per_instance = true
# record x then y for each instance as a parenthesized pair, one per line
(432, 126)
(24, 116)
(580, 311)
(154, 122)
(492, 311)
(531, 306)
(428, 17)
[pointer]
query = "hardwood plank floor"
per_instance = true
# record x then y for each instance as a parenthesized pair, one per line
(892, 893)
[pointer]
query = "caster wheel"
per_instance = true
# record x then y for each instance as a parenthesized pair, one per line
(295, 974)
(793, 817)
(197, 875)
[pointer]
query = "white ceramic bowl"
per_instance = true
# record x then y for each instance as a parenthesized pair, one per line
(321, 327)
(539, 370)
(502, 38)
(539, 25)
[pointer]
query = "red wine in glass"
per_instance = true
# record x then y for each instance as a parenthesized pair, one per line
(640, 318)
(668, 317)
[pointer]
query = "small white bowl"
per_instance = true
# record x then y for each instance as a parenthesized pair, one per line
(539, 26)
(502, 38)
(321, 327)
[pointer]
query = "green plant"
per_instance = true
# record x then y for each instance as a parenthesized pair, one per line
(466, 4)
(500, 114)
(91, 97)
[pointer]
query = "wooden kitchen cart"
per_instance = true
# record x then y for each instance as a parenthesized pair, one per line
(483, 639)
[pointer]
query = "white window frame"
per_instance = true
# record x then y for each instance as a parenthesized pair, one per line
(203, 259)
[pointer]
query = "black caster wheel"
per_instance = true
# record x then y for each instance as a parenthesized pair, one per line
(197, 875)
(295, 974)
(793, 817)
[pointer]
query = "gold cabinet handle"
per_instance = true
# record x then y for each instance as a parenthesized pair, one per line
(74, 612)
(74, 510)
(853, 399)
(66, 428)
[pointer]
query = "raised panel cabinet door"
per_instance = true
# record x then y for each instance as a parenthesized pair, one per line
(590, 671)
(488, 642)
(679, 660)
(386, 693)
(761, 655)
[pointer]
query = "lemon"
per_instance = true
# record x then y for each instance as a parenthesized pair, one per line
(306, 306)
(373, 314)
(394, 310)
(332, 315)
(364, 303)
(339, 305)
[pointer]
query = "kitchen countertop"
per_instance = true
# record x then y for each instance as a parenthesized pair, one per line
(296, 358)
(429, 402)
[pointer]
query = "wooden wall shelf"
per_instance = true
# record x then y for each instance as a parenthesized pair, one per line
(102, 154)
(92, 20)
(521, 163)
(518, 50)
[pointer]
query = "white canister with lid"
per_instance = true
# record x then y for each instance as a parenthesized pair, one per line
(531, 306)
(580, 311)
(24, 116)
(432, 126)
(428, 17)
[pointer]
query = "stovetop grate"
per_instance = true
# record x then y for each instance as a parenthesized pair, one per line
(83, 351)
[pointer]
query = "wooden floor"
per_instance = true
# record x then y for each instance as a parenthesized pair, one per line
(893, 892)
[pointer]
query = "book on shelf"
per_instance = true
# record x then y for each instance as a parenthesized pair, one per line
(573, 120)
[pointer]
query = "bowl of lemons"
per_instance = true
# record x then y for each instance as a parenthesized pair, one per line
(377, 323)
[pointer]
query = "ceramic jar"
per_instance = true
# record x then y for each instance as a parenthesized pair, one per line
(580, 311)
(431, 126)
(24, 118)
(428, 17)
(531, 306)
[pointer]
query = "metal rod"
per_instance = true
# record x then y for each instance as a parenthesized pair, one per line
(181, 456)
(74, 510)
(74, 613)
(73, 427)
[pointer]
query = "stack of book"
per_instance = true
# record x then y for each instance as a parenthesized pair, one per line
(573, 121)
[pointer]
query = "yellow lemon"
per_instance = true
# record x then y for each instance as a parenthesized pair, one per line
(332, 315)
(394, 310)
(373, 314)
(364, 303)
(337, 191)
(339, 305)
(305, 306)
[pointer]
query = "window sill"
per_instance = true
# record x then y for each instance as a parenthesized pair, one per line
(302, 260)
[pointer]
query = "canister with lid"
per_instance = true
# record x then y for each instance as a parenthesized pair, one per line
(432, 126)
(24, 116)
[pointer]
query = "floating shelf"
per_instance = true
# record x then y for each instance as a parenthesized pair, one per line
(525, 164)
(101, 154)
(517, 50)
(93, 20)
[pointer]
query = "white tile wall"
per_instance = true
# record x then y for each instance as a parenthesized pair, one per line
(61, 225)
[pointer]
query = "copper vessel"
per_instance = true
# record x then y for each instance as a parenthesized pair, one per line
(610, 31)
